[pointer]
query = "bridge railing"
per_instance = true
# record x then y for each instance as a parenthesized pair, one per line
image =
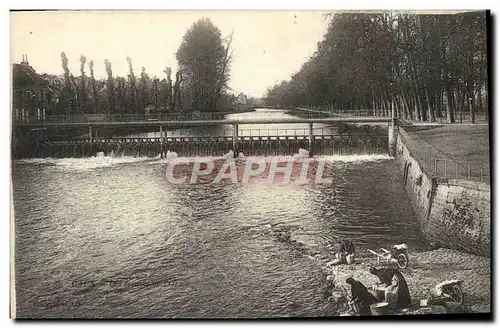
(99, 118)
(165, 117)
(243, 133)
(370, 112)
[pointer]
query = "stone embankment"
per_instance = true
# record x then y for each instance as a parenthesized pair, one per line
(452, 213)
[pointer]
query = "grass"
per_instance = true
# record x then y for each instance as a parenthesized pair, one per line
(454, 151)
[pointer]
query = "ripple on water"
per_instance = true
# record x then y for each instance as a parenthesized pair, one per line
(218, 242)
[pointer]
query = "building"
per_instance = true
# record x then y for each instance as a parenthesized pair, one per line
(32, 96)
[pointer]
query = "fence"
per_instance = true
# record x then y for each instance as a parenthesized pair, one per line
(172, 117)
(204, 146)
(443, 165)
(264, 132)
(96, 118)
(369, 112)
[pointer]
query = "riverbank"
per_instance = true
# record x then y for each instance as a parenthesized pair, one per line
(453, 213)
(425, 270)
(461, 150)
(237, 111)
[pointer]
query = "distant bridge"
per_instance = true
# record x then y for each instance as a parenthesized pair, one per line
(165, 122)
(186, 119)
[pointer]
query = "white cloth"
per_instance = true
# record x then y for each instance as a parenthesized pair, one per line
(401, 246)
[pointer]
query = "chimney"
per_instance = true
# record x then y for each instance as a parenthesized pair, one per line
(25, 61)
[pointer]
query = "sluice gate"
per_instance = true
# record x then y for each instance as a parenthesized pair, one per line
(208, 146)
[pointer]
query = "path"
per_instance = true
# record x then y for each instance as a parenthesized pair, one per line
(453, 150)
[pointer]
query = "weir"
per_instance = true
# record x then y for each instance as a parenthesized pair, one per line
(206, 145)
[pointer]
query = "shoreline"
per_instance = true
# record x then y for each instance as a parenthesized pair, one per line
(425, 270)
(237, 111)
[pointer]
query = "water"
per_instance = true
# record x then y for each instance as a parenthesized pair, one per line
(111, 238)
(250, 130)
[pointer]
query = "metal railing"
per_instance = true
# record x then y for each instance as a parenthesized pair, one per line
(98, 118)
(167, 117)
(324, 131)
(370, 112)
(443, 165)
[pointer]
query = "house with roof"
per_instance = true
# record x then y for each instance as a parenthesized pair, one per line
(33, 98)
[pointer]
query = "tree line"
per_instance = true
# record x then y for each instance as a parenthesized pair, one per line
(200, 84)
(424, 66)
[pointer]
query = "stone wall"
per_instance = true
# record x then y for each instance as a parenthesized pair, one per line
(452, 213)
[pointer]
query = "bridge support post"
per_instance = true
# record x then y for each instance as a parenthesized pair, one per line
(90, 133)
(393, 136)
(161, 141)
(235, 139)
(311, 140)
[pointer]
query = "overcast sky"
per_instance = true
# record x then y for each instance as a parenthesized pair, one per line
(268, 46)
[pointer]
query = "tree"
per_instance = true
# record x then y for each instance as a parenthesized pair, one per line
(176, 103)
(155, 93)
(83, 93)
(67, 92)
(76, 94)
(144, 87)
(168, 91)
(110, 88)
(204, 59)
(134, 93)
(95, 95)
(418, 64)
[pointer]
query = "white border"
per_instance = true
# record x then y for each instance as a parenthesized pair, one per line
(191, 5)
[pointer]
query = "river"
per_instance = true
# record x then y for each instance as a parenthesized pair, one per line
(250, 130)
(112, 238)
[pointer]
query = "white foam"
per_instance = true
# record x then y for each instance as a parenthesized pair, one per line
(100, 160)
(358, 158)
(32, 161)
(173, 155)
(83, 164)
(170, 155)
(304, 153)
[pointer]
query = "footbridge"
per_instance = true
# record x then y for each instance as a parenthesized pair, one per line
(168, 122)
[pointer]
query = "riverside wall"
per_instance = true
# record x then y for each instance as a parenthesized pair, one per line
(452, 213)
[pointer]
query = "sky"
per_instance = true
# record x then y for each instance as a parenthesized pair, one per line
(268, 46)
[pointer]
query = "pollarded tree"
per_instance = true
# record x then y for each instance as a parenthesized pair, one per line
(168, 89)
(83, 91)
(121, 101)
(67, 92)
(144, 89)
(95, 95)
(110, 87)
(134, 93)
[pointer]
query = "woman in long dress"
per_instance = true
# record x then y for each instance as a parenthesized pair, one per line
(345, 253)
(397, 293)
(361, 296)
